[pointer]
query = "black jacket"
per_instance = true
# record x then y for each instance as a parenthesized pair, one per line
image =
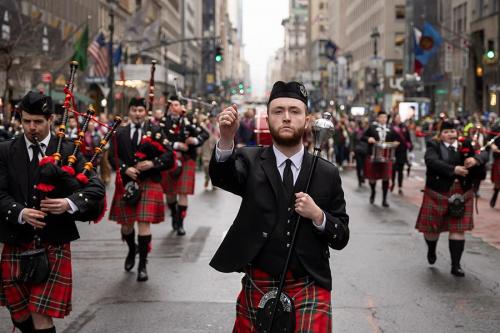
(441, 165)
(178, 130)
(124, 152)
(372, 132)
(14, 181)
(251, 173)
(404, 140)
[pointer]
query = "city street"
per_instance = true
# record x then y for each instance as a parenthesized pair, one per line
(381, 281)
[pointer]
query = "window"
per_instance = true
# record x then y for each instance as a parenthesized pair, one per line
(175, 4)
(400, 12)
(399, 39)
(321, 5)
(45, 40)
(398, 69)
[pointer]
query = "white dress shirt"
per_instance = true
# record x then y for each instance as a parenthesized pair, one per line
(43, 145)
(223, 155)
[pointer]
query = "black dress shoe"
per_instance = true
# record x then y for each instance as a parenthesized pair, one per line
(142, 274)
(385, 204)
(457, 271)
(181, 231)
(431, 257)
(130, 259)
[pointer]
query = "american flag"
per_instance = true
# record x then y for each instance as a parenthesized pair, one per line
(98, 50)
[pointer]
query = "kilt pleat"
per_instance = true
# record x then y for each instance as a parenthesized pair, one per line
(377, 170)
(184, 184)
(433, 217)
(51, 298)
(313, 313)
(495, 173)
(149, 209)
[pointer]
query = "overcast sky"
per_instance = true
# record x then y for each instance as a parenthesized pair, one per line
(262, 35)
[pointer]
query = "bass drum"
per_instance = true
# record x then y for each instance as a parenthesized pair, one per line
(262, 134)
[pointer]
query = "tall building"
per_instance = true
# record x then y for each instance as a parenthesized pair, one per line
(371, 34)
(485, 38)
(295, 45)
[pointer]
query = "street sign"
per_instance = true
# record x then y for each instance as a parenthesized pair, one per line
(46, 77)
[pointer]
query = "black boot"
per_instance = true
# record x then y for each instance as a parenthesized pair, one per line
(46, 330)
(385, 189)
(142, 273)
(431, 251)
(372, 194)
(132, 250)
(456, 250)
(493, 200)
(25, 326)
(182, 215)
(173, 212)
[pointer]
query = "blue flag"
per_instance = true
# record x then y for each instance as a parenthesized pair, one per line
(428, 45)
(117, 56)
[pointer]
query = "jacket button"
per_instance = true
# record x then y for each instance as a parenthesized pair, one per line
(14, 205)
(288, 245)
(264, 234)
(288, 233)
(335, 225)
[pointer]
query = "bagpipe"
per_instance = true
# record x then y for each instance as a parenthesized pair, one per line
(58, 178)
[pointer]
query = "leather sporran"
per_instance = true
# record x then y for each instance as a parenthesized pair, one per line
(284, 319)
(456, 205)
(34, 266)
(132, 193)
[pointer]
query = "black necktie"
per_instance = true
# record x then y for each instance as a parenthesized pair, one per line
(451, 148)
(288, 178)
(34, 160)
(135, 137)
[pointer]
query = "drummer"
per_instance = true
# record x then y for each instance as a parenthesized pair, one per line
(376, 168)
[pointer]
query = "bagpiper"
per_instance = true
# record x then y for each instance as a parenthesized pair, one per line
(36, 229)
(447, 204)
(185, 136)
(378, 133)
(139, 156)
(272, 182)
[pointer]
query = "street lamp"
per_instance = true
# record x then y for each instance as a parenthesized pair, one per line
(348, 58)
(111, 73)
(375, 35)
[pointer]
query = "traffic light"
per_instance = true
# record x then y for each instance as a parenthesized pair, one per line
(218, 54)
(490, 57)
(241, 85)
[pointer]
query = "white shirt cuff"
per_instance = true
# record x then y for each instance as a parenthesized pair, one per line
(72, 207)
(196, 142)
(222, 155)
(321, 227)
(20, 217)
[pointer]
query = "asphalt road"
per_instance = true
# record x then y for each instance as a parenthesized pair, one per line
(381, 280)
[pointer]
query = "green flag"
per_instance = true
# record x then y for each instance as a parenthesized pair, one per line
(80, 47)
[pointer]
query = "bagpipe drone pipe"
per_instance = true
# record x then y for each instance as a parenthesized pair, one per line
(66, 171)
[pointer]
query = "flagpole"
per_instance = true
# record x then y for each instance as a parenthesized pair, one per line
(111, 72)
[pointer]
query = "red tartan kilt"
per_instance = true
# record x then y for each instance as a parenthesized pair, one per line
(182, 185)
(377, 170)
(52, 298)
(149, 209)
(313, 312)
(495, 173)
(433, 217)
